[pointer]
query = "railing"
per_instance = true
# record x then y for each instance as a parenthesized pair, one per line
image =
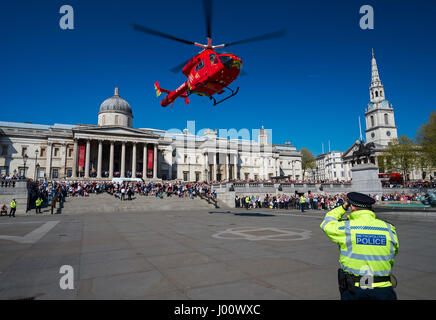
(8, 183)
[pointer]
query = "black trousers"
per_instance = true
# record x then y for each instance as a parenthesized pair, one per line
(387, 293)
(12, 212)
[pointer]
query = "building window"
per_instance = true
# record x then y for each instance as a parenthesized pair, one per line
(42, 152)
(117, 118)
(55, 173)
(376, 93)
(56, 152)
(70, 153)
(4, 170)
(103, 120)
(197, 176)
(372, 121)
(185, 159)
(41, 173)
(69, 172)
(386, 118)
(23, 151)
(185, 175)
(4, 150)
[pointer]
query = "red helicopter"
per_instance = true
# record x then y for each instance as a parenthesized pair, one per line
(209, 72)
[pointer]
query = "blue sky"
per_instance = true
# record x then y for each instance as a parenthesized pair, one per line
(308, 87)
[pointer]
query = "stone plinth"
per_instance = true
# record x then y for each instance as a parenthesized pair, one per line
(365, 179)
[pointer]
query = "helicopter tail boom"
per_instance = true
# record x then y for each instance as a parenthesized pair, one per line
(173, 95)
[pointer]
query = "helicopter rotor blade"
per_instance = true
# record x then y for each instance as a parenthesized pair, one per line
(160, 34)
(267, 36)
(207, 4)
(180, 66)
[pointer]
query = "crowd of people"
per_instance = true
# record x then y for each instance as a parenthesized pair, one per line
(312, 201)
(300, 202)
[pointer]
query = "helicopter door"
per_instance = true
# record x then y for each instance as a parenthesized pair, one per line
(198, 73)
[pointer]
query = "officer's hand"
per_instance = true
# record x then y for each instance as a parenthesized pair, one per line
(346, 205)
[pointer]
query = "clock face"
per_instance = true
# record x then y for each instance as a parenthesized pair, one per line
(388, 133)
(372, 135)
(371, 105)
(384, 104)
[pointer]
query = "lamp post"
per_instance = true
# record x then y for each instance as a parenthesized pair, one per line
(36, 165)
(25, 157)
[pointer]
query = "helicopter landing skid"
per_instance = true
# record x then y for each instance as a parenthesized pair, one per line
(233, 93)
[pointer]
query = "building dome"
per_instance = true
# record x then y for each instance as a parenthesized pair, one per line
(115, 111)
(116, 104)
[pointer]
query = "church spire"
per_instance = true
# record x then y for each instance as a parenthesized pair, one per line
(375, 78)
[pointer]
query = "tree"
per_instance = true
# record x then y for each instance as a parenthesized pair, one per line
(402, 154)
(426, 137)
(308, 161)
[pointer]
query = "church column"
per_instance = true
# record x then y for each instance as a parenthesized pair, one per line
(123, 160)
(144, 162)
(111, 160)
(100, 154)
(134, 160)
(155, 161)
(88, 151)
(75, 150)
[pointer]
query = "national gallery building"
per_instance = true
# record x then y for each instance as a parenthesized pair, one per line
(113, 148)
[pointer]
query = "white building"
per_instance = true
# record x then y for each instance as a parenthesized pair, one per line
(331, 167)
(113, 148)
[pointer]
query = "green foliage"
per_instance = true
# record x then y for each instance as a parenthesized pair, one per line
(401, 155)
(426, 137)
(308, 161)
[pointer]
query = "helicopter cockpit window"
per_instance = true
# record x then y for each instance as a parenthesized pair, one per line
(213, 58)
(199, 66)
(226, 61)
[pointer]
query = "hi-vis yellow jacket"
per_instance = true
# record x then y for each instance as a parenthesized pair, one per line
(366, 244)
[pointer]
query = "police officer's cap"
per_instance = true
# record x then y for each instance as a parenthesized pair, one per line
(360, 200)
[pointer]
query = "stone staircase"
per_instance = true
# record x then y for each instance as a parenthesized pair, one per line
(108, 203)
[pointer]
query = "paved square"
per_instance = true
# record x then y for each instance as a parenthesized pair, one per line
(152, 248)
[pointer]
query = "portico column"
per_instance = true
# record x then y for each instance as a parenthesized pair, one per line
(277, 167)
(235, 166)
(134, 160)
(144, 162)
(48, 161)
(75, 150)
(100, 154)
(227, 166)
(170, 165)
(111, 160)
(88, 151)
(123, 160)
(214, 168)
(155, 162)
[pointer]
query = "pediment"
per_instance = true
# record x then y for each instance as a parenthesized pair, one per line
(115, 131)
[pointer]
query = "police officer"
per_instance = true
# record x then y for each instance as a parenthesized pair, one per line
(367, 249)
(13, 208)
(302, 202)
(38, 204)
